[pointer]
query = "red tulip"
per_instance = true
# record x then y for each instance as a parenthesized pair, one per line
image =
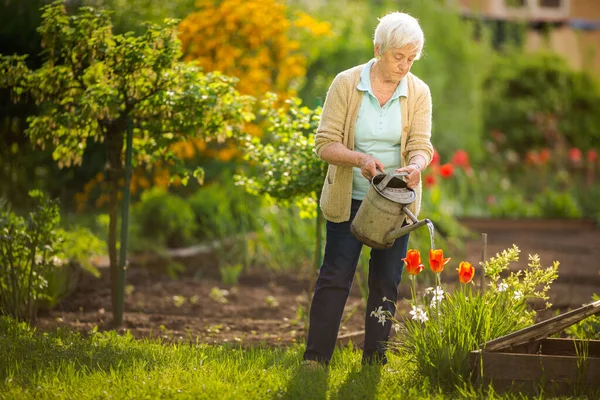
(413, 262)
(592, 155)
(461, 159)
(436, 158)
(446, 170)
(575, 155)
(545, 154)
(465, 272)
(430, 180)
(437, 260)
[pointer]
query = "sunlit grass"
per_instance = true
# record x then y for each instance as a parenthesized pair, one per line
(62, 364)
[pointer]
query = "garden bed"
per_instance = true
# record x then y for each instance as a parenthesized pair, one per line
(271, 309)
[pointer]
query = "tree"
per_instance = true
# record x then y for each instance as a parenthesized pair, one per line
(285, 165)
(95, 86)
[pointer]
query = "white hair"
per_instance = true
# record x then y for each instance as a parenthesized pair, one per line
(397, 30)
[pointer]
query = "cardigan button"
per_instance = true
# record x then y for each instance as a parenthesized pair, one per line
(406, 129)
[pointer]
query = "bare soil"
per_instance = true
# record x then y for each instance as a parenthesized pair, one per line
(272, 309)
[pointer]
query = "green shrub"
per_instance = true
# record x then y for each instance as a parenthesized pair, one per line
(223, 209)
(28, 252)
(78, 245)
(164, 218)
(40, 261)
(554, 204)
(537, 100)
(514, 205)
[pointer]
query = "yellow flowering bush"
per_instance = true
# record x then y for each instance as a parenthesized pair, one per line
(253, 40)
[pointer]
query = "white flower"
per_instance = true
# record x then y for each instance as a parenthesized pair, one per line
(384, 299)
(502, 286)
(428, 290)
(380, 314)
(377, 312)
(438, 296)
(518, 294)
(418, 314)
(396, 327)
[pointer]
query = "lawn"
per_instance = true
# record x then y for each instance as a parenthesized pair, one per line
(62, 364)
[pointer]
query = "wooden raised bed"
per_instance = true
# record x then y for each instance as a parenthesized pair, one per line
(530, 362)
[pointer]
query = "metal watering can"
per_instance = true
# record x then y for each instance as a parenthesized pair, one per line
(380, 218)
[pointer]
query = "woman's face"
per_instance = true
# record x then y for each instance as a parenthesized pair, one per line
(395, 63)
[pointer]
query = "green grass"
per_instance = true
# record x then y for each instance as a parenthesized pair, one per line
(62, 364)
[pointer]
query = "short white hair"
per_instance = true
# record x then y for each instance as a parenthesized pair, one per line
(397, 30)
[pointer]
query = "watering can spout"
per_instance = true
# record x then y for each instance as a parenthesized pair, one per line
(403, 230)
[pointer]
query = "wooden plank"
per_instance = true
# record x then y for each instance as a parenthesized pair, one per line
(562, 225)
(535, 389)
(556, 347)
(543, 329)
(563, 346)
(537, 368)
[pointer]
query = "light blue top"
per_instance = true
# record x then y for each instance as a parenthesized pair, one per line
(378, 129)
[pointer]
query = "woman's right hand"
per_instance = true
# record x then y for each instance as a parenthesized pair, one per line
(369, 166)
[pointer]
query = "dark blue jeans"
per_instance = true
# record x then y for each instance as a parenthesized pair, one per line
(342, 252)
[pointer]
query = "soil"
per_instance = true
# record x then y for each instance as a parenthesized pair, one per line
(272, 309)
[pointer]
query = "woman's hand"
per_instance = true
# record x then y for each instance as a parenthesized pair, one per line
(414, 175)
(369, 166)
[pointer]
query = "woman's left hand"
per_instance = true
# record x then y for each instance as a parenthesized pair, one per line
(414, 175)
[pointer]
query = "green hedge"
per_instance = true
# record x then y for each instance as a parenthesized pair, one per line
(537, 100)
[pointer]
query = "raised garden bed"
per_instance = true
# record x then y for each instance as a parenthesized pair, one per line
(529, 361)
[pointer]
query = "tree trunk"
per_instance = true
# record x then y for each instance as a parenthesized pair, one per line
(114, 149)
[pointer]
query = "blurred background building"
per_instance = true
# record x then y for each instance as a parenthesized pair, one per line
(568, 27)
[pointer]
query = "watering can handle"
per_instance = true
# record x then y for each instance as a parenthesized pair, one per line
(384, 182)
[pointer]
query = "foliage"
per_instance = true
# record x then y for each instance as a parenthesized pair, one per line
(587, 329)
(29, 252)
(285, 164)
(165, 218)
(559, 205)
(230, 274)
(127, 15)
(537, 100)
(541, 184)
(284, 243)
(252, 40)
(440, 337)
(223, 209)
(95, 85)
(21, 167)
(78, 246)
(41, 262)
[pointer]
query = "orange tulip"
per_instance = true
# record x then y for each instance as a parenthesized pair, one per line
(465, 272)
(413, 262)
(437, 260)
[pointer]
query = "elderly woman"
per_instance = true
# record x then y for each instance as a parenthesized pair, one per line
(377, 116)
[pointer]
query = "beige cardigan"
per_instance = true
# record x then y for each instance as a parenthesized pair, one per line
(337, 125)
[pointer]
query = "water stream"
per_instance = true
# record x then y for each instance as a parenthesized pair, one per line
(431, 233)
